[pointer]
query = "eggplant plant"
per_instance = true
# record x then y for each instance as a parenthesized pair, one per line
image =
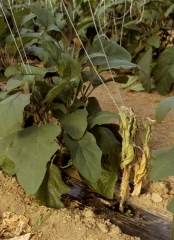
(48, 121)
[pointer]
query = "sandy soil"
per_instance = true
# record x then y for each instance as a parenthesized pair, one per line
(76, 223)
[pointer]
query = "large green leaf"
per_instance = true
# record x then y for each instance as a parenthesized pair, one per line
(44, 16)
(163, 108)
(164, 71)
(11, 113)
(75, 123)
(101, 118)
(162, 163)
(86, 156)
(145, 74)
(113, 56)
(32, 148)
(52, 188)
(54, 92)
(111, 148)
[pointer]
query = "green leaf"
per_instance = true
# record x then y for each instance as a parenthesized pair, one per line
(161, 163)
(163, 108)
(93, 106)
(164, 71)
(54, 92)
(86, 156)
(8, 167)
(131, 80)
(117, 57)
(11, 70)
(11, 113)
(58, 106)
(169, 10)
(4, 145)
(110, 161)
(75, 123)
(44, 16)
(27, 18)
(138, 87)
(52, 188)
(31, 150)
(73, 67)
(53, 51)
(154, 41)
(19, 14)
(35, 70)
(101, 118)
(13, 83)
(132, 25)
(145, 74)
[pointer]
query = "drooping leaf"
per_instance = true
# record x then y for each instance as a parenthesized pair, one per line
(145, 73)
(31, 150)
(110, 161)
(101, 118)
(161, 163)
(86, 156)
(54, 92)
(52, 188)
(75, 123)
(164, 71)
(11, 113)
(163, 108)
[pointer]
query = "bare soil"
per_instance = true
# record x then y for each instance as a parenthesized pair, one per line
(83, 223)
